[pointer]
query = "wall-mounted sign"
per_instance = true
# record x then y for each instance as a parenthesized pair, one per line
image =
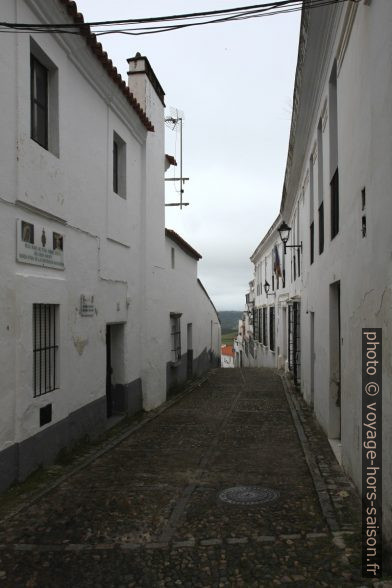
(87, 306)
(38, 245)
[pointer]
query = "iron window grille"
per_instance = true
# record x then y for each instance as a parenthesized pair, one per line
(39, 102)
(264, 325)
(256, 327)
(272, 327)
(175, 320)
(45, 348)
(335, 204)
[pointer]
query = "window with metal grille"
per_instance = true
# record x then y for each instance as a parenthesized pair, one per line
(264, 325)
(321, 228)
(335, 204)
(39, 102)
(175, 323)
(272, 328)
(45, 348)
(311, 243)
(256, 324)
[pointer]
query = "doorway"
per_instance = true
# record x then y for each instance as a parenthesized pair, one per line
(109, 372)
(334, 362)
(189, 356)
(115, 376)
(312, 359)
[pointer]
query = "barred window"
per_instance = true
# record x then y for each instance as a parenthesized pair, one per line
(175, 323)
(256, 334)
(272, 327)
(264, 325)
(45, 348)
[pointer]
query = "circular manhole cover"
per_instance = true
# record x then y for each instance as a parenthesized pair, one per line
(248, 495)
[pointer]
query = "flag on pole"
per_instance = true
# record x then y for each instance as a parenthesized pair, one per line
(277, 269)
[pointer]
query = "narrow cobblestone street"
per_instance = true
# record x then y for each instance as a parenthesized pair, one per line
(148, 513)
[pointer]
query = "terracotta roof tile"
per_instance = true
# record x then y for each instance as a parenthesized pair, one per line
(107, 63)
(227, 350)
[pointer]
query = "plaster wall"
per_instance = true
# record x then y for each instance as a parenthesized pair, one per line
(185, 295)
(361, 43)
(113, 246)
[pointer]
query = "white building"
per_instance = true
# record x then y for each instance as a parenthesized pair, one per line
(85, 325)
(336, 199)
(227, 356)
(193, 341)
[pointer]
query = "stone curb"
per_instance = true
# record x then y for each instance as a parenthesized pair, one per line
(318, 481)
(187, 543)
(105, 449)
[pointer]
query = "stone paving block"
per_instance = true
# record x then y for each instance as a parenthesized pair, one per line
(103, 526)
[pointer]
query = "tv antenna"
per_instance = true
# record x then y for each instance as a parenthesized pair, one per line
(174, 122)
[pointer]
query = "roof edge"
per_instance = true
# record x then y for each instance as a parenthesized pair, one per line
(182, 244)
(107, 64)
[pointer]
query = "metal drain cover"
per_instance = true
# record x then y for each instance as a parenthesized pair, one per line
(248, 495)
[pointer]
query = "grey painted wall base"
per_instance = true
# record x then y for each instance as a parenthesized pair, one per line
(177, 374)
(128, 398)
(21, 459)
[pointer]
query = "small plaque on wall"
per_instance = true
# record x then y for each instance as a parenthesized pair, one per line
(39, 245)
(87, 306)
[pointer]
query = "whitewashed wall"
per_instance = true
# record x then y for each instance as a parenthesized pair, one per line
(185, 296)
(359, 37)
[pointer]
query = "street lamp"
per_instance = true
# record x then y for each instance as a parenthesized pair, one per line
(284, 232)
(266, 289)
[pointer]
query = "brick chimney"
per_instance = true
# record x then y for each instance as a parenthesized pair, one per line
(145, 86)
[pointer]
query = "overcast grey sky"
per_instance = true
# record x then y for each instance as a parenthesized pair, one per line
(234, 83)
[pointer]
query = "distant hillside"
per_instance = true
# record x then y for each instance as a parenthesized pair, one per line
(229, 320)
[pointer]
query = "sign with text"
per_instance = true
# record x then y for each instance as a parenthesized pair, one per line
(39, 245)
(87, 306)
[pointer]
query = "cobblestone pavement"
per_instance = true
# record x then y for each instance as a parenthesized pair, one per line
(147, 513)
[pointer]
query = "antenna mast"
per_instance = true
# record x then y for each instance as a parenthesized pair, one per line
(176, 119)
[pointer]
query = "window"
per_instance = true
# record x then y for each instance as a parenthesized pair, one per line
(45, 348)
(175, 324)
(256, 324)
(321, 228)
(299, 261)
(173, 258)
(311, 243)
(119, 166)
(39, 102)
(264, 325)
(335, 204)
(272, 327)
(363, 201)
(294, 267)
(44, 111)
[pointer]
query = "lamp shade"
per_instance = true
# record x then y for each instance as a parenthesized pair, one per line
(284, 232)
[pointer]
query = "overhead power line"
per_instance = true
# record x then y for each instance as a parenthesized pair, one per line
(161, 24)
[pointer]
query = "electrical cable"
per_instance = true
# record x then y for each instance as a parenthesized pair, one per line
(218, 16)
